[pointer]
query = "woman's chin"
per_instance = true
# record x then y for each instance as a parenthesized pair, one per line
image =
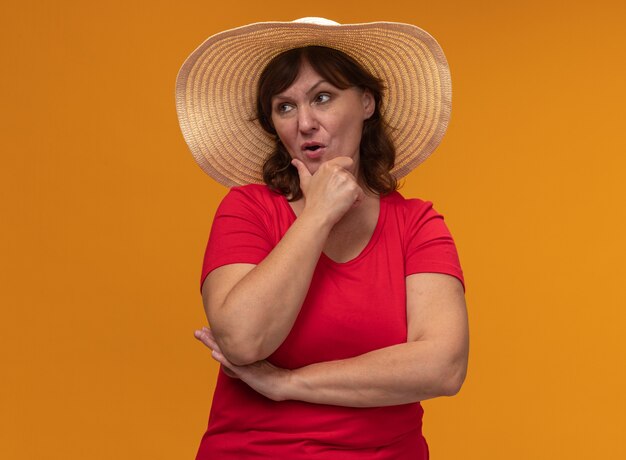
(313, 167)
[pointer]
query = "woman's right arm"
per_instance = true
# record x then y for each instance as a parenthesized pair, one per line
(252, 308)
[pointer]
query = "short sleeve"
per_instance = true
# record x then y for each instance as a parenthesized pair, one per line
(239, 233)
(429, 244)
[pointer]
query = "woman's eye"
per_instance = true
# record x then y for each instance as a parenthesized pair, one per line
(322, 97)
(284, 108)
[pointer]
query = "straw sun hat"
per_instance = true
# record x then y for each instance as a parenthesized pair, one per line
(216, 90)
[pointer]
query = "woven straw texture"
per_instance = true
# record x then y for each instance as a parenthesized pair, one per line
(216, 91)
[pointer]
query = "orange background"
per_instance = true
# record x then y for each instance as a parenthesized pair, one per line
(105, 217)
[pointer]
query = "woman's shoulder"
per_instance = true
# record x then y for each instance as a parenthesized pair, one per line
(252, 190)
(256, 201)
(258, 194)
(396, 202)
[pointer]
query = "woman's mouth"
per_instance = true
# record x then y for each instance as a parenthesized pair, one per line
(313, 150)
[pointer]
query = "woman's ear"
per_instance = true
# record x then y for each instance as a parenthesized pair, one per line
(369, 104)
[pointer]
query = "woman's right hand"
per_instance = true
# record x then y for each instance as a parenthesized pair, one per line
(332, 190)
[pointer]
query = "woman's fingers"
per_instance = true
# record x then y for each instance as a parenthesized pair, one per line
(206, 337)
(359, 198)
(229, 372)
(201, 336)
(343, 162)
(303, 173)
(333, 189)
(261, 376)
(220, 358)
(228, 367)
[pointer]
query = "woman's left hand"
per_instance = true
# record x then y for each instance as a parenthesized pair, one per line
(263, 377)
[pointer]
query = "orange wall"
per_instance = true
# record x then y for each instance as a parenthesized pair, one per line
(105, 217)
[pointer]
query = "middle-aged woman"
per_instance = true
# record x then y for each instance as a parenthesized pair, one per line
(335, 304)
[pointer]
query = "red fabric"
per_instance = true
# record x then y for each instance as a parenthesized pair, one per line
(351, 308)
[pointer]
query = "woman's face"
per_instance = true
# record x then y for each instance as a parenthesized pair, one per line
(317, 121)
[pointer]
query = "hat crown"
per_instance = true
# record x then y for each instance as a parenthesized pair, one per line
(318, 21)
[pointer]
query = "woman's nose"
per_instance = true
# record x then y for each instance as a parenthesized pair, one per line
(306, 119)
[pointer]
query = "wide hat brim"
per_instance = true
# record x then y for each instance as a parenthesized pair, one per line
(216, 91)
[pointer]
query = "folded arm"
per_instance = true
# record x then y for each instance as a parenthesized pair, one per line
(432, 363)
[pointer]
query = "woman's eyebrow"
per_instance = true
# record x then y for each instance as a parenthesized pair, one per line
(312, 88)
(307, 92)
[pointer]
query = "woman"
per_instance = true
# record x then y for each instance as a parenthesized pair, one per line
(335, 304)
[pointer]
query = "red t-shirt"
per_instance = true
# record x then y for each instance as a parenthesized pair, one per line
(351, 308)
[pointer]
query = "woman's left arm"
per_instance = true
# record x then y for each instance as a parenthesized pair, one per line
(432, 363)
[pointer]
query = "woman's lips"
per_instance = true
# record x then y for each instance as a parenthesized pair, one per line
(314, 154)
(313, 150)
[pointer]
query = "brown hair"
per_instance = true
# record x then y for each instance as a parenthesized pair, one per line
(377, 152)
